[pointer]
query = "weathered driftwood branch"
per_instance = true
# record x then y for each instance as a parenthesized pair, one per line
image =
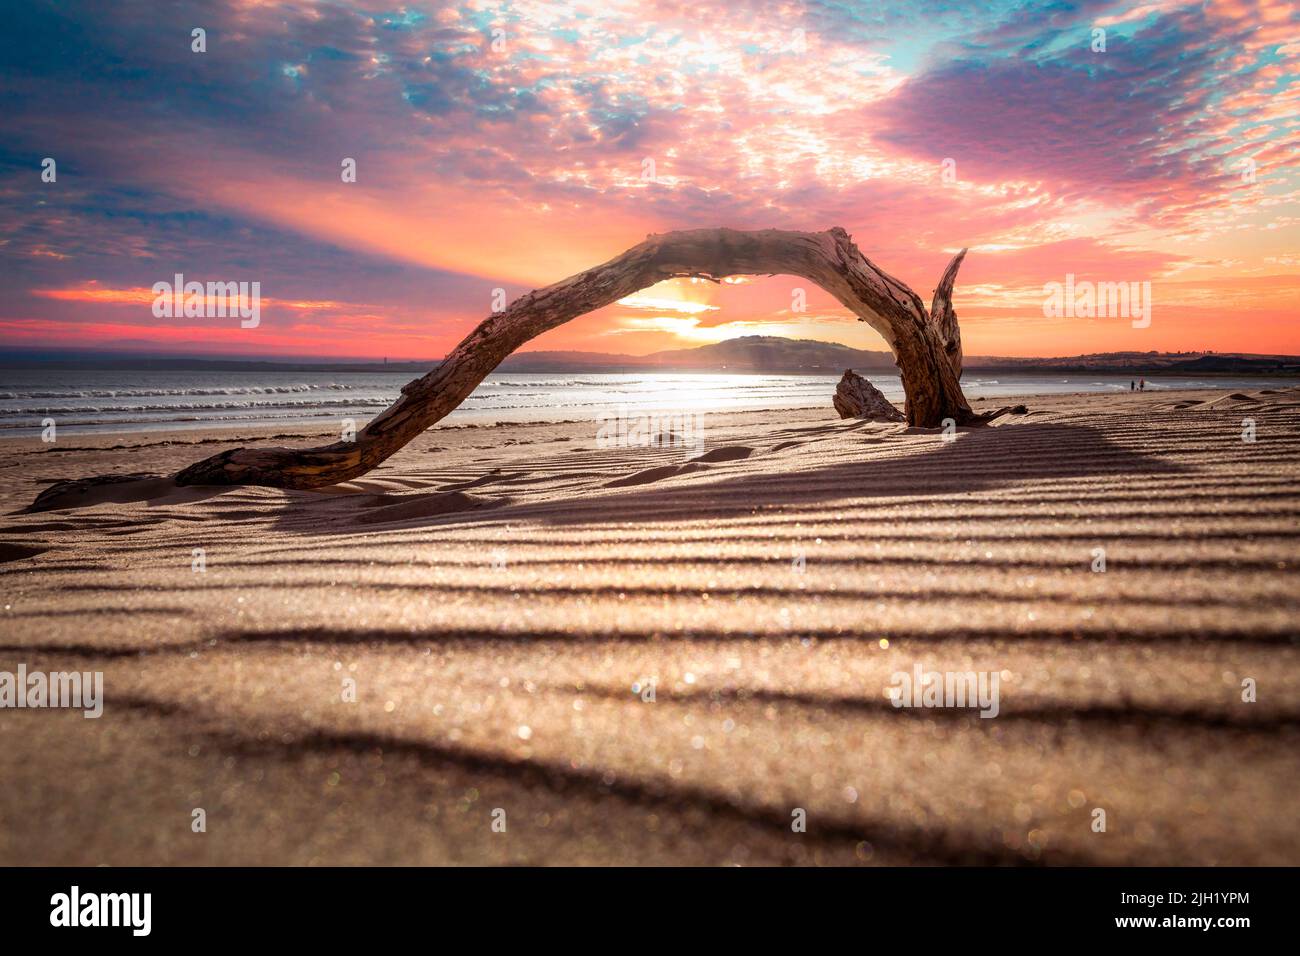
(944, 316)
(926, 345)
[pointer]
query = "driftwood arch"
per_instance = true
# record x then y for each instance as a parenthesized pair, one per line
(926, 345)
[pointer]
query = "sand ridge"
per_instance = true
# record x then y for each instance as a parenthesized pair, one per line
(496, 593)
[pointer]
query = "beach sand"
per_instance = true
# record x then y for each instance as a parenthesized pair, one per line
(501, 599)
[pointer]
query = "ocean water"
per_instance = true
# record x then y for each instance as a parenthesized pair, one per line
(125, 401)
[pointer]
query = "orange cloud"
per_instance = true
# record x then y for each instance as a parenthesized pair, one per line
(139, 295)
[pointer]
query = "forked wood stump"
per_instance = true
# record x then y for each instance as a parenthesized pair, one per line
(855, 397)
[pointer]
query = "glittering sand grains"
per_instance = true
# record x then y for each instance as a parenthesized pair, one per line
(499, 602)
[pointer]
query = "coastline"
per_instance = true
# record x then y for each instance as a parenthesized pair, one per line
(215, 408)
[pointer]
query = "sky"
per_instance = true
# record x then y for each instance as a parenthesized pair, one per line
(505, 146)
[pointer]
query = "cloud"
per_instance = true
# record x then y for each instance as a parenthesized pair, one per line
(514, 165)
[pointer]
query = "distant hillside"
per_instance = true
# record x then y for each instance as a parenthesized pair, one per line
(1150, 363)
(751, 353)
(765, 353)
(1286, 364)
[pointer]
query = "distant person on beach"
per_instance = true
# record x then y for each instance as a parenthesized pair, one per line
(1142, 385)
(1132, 385)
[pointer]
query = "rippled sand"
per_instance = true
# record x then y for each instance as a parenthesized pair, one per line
(502, 599)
